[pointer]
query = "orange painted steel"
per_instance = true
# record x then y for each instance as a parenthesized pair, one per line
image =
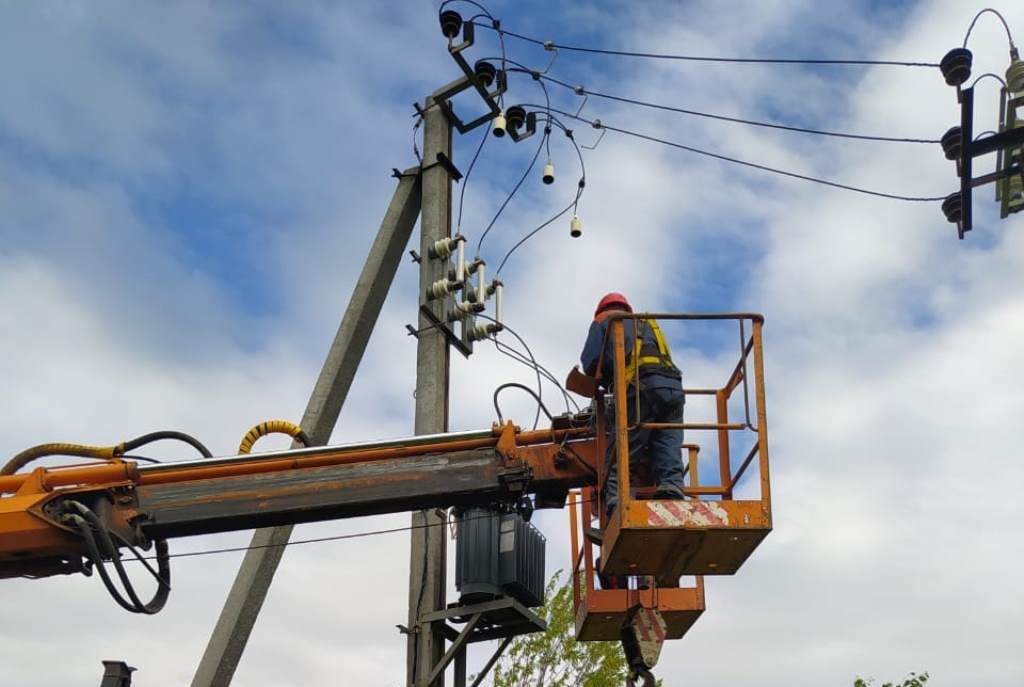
(98, 475)
(600, 614)
(695, 535)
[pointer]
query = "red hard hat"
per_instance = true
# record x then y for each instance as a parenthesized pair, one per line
(610, 299)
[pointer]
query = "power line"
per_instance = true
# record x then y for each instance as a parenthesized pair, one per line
(1006, 26)
(530, 235)
(313, 540)
(598, 124)
(512, 194)
(465, 181)
(583, 91)
(551, 45)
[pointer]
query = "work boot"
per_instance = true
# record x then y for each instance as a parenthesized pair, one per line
(667, 492)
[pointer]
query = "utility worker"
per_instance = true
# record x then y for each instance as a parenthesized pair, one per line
(650, 373)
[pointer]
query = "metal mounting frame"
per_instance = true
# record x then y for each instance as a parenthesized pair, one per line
(503, 618)
(443, 95)
(970, 149)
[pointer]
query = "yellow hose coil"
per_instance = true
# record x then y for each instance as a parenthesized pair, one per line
(43, 450)
(271, 427)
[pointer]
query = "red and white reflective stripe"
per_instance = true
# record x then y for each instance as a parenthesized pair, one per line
(682, 513)
(649, 625)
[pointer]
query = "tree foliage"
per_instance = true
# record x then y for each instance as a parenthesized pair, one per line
(912, 680)
(554, 658)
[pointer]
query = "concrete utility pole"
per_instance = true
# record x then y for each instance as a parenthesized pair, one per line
(428, 555)
(249, 590)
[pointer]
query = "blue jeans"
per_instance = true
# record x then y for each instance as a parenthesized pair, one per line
(662, 447)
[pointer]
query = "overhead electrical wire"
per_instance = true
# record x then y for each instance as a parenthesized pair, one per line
(465, 180)
(552, 45)
(517, 385)
(533, 359)
(533, 233)
(1009, 36)
(515, 355)
(518, 68)
(512, 193)
(317, 540)
(599, 124)
(583, 91)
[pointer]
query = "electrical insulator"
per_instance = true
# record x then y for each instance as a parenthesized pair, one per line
(451, 24)
(956, 66)
(549, 173)
(498, 125)
(481, 285)
(462, 310)
(575, 227)
(443, 248)
(460, 264)
(498, 293)
(479, 332)
(441, 288)
(1015, 76)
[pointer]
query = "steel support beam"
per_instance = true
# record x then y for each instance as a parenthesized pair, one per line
(245, 599)
(441, 480)
(428, 554)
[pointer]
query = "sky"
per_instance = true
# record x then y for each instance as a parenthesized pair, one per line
(187, 193)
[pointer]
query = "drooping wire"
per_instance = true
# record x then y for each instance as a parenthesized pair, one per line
(598, 124)
(1006, 26)
(465, 180)
(511, 194)
(515, 355)
(533, 233)
(583, 91)
(989, 75)
(533, 360)
(517, 385)
(703, 58)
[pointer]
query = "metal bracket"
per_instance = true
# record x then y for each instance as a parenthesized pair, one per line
(444, 162)
(503, 618)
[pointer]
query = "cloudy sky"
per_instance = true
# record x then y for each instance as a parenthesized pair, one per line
(187, 193)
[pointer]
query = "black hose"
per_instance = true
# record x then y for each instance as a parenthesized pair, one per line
(517, 385)
(87, 520)
(135, 443)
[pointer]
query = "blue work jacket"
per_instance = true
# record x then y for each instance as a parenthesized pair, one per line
(592, 354)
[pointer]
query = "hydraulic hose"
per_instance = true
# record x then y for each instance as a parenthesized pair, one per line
(272, 427)
(98, 452)
(86, 520)
(42, 450)
(135, 443)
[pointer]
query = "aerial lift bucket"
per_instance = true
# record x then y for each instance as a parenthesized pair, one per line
(710, 532)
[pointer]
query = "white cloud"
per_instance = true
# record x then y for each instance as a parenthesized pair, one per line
(891, 346)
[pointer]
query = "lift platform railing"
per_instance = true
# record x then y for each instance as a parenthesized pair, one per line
(709, 532)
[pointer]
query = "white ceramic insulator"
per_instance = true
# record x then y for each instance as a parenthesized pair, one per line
(481, 285)
(549, 172)
(443, 248)
(479, 332)
(463, 309)
(575, 227)
(440, 288)
(1015, 77)
(498, 125)
(460, 263)
(498, 288)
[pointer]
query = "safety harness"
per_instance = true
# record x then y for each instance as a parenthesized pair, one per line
(652, 354)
